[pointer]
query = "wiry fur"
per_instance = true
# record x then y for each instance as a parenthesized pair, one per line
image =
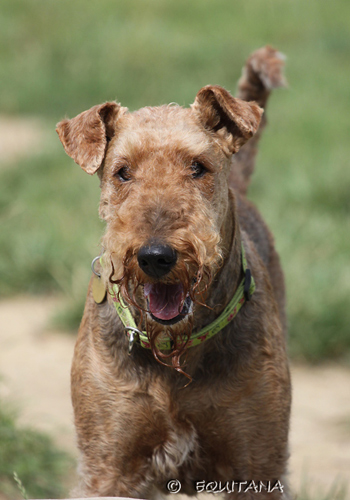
(137, 425)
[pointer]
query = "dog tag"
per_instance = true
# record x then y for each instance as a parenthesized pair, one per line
(99, 291)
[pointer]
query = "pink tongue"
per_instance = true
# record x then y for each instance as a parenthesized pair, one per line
(164, 300)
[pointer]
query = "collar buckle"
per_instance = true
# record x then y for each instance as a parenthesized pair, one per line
(247, 283)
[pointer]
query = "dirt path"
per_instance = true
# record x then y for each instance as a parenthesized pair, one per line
(320, 427)
(35, 364)
(20, 137)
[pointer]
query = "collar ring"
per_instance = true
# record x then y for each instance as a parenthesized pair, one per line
(133, 335)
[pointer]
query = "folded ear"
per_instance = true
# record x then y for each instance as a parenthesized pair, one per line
(86, 136)
(233, 120)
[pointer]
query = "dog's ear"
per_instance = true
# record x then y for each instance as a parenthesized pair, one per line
(233, 120)
(86, 136)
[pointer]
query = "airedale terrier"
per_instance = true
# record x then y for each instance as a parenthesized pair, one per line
(180, 377)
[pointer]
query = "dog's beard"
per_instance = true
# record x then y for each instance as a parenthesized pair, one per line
(166, 306)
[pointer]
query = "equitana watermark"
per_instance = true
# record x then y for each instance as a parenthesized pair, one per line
(238, 486)
(174, 486)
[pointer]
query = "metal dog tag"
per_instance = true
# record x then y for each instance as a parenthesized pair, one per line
(99, 291)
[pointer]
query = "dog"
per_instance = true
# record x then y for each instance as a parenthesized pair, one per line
(180, 377)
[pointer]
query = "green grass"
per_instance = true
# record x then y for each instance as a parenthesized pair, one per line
(39, 465)
(50, 211)
(59, 58)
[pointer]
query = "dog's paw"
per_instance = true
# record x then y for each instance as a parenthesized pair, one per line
(267, 65)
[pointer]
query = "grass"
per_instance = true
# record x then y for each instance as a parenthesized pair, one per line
(58, 59)
(30, 464)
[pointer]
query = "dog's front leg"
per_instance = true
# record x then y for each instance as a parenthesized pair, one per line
(106, 481)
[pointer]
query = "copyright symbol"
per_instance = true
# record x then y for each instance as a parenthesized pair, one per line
(173, 486)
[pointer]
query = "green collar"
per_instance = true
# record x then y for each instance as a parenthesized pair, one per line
(244, 291)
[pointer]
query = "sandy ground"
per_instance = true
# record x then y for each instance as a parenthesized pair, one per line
(35, 364)
(20, 137)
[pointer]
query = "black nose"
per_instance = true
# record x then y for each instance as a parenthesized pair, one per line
(156, 260)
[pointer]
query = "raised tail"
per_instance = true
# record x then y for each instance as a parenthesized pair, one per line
(262, 73)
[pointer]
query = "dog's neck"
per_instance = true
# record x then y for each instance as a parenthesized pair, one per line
(226, 281)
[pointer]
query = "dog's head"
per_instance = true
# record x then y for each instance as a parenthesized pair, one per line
(164, 196)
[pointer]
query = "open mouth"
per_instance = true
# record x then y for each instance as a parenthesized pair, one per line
(166, 303)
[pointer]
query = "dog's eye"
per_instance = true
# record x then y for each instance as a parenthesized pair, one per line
(198, 170)
(123, 174)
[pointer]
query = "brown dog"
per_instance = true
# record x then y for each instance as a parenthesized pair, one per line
(196, 266)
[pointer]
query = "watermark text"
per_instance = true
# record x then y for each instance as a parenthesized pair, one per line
(174, 486)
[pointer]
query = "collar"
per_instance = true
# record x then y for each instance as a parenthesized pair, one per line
(243, 293)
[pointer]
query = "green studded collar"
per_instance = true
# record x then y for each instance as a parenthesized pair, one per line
(244, 291)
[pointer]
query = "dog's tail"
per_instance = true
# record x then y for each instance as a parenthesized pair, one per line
(262, 73)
